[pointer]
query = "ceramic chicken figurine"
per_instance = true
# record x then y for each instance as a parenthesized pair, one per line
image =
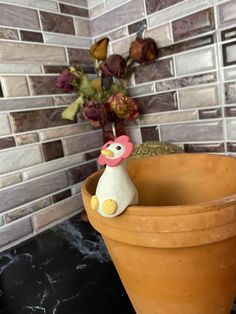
(115, 190)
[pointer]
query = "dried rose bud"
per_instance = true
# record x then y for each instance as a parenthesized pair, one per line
(64, 81)
(143, 50)
(95, 113)
(99, 49)
(114, 65)
(123, 106)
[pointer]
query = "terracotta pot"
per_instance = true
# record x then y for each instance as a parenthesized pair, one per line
(176, 251)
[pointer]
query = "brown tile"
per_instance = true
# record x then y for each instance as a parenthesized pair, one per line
(134, 28)
(54, 69)
(37, 119)
(27, 209)
(92, 155)
(52, 150)
(24, 139)
(187, 45)
(149, 133)
(231, 147)
(213, 113)
(7, 142)
(61, 196)
(31, 36)
(204, 148)
(83, 142)
(228, 33)
(157, 5)
(25, 103)
(156, 70)
(57, 23)
(82, 58)
(80, 173)
(13, 232)
(230, 111)
(230, 93)
(44, 85)
(227, 13)
(8, 33)
(157, 103)
(186, 81)
(56, 212)
(229, 53)
(127, 13)
(18, 16)
(193, 24)
(26, 192)
(68, 9)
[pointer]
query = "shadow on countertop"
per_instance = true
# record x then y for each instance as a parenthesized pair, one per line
(65, 270)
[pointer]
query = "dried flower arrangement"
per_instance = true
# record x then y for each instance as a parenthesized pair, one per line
(103, 100)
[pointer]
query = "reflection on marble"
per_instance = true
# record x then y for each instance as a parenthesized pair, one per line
(63, 269)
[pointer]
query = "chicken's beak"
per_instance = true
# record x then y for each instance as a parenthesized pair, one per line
(107, 153)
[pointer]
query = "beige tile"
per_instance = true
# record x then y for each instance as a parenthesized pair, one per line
(178, 116)
(42, 4)
(135, 134)
(10, 179)
(198, 97)
(56, 212)
(52, 166)
(76, 129)
(31, 53)
(98, 9)
(122, 46)
(20, 68)
(77, 144)
(82, 27)
(15, 231)
(25, 103)
(231, 129)
(71, 41)
(14, 159)
(162, 35)
(15, 86)
(140, 90)
(5, 128)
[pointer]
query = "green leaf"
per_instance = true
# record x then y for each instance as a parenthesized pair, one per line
(115, 88)
(85, 86)
(70, 112)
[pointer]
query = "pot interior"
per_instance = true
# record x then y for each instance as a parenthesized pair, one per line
(180, 179)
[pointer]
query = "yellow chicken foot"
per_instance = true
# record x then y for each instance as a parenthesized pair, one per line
(109, 206)
(94, 202)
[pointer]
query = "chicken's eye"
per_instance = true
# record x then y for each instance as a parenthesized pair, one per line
(118, 147)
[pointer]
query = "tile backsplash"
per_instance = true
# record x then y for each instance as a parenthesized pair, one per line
(186, 96)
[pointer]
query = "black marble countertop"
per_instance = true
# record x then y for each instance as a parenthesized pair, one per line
(65, 270)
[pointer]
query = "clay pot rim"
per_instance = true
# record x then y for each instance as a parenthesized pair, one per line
(170, 210)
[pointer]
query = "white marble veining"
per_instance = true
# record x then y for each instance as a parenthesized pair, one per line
(5, 128)
(195, 61)
(198, 97)
(51, 38)
(14, 159)
(52, 166)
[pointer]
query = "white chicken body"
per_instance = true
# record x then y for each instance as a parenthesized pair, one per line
(115, 184)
